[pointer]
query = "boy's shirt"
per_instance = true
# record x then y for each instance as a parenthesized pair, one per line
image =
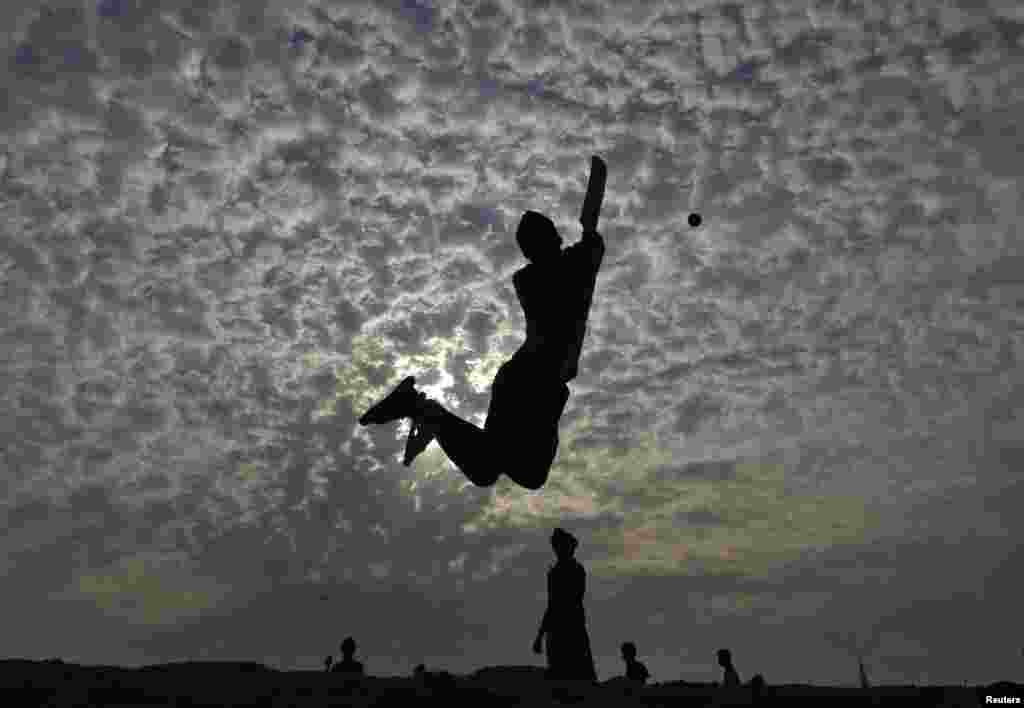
(556, 299)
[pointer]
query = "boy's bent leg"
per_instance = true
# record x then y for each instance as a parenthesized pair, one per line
(523, 421)
(467, 446)
(529, 463)
(520, 438)
(483, 455)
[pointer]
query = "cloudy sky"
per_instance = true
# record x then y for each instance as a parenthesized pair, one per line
(228, 227)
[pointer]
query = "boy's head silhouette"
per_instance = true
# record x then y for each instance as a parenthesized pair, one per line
(564, 543)
(348, 647)
(724, 657)
(628, 651)
(538, 238)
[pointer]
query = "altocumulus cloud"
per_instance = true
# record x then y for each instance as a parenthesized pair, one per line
(229, 227)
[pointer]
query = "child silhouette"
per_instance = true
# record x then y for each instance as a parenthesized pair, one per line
(730, 679)
(348, 663)
(635, 670)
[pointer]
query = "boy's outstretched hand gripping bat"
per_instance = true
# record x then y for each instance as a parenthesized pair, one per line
(595, 194)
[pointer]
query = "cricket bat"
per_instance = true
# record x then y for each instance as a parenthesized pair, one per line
(595, 194)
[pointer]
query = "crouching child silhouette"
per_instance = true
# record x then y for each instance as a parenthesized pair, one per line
(529, 392)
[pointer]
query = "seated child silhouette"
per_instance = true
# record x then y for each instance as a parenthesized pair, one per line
(730, 679)
(348, 665)
(635, 670)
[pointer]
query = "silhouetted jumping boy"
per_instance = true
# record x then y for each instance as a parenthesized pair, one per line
(529, 393)
(635, 670)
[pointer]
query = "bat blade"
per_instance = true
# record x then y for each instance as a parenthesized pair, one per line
(595, 194)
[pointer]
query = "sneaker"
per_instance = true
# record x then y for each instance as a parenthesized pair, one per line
(424, 427)
(396, 405)
(420, 436)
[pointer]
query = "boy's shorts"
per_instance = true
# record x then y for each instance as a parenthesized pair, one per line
(524, 399)
(523, 417)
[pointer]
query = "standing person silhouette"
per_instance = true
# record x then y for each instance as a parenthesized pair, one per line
(564, 623)
(529, 392)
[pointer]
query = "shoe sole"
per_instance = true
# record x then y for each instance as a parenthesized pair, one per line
(374, 415)
(416, 443)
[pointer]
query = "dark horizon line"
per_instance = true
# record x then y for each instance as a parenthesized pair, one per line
(705, 684)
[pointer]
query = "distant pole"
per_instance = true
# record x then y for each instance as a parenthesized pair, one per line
(863, 676)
